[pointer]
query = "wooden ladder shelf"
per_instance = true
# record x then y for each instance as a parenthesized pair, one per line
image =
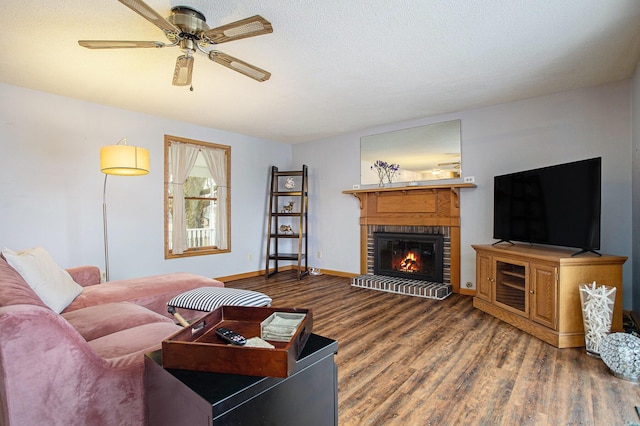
(288, 205)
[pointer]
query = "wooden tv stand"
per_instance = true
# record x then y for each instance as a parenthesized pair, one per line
(536, 289)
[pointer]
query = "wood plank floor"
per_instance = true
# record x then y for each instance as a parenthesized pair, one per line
(405, 360)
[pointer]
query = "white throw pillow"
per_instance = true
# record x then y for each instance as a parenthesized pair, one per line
(51, 283)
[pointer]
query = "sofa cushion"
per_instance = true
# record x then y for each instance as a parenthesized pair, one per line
(152, 292)
(99, 320)
(125, 347)
(85, 275)
(14, 290)
(51, 283)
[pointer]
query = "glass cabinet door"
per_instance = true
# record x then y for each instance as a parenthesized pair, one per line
(511, 286)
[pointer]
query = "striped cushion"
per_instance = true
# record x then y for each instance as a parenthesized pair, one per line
(209, 298)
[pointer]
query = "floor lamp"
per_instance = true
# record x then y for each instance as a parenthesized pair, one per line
(122, 160)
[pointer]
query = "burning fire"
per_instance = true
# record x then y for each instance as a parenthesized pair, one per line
(410, 263)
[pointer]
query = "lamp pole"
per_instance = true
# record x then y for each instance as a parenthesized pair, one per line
(123, 160)
(104, 223)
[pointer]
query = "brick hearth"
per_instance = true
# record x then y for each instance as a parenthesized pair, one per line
(403, 286)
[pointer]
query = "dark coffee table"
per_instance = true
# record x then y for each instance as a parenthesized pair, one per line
(308, 396)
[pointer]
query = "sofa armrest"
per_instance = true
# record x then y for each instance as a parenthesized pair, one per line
(85, 275)
(44, 359)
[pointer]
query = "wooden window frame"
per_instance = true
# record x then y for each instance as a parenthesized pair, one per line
(199, 251)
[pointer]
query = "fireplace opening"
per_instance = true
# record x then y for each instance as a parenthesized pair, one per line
(408, 255)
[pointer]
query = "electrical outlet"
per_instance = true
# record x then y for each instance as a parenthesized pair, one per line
(319, 255)
(103, 276)
(469, 179)
(249, 257)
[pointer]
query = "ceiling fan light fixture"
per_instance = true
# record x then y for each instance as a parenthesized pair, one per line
(183, 71)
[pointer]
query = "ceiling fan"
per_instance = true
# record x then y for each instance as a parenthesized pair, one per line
(455, 164)
(187, 28)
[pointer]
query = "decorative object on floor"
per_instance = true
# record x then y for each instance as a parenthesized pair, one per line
(314, 271)
(286, 229)
(288, 208)
(122, 160)
(188, 29)
(597, 313)
(404, 286)
(621, 353)
(385, 171)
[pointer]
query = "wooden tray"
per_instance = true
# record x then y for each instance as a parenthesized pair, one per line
(198, 348)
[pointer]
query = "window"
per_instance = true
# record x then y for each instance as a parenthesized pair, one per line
(197, 199)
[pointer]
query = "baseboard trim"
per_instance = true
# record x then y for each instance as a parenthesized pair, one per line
(338, 273)
(259, 273)
(240, 276)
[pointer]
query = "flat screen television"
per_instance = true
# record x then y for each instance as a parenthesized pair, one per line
(557, 205)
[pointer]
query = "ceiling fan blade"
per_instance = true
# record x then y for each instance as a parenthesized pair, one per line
(144, 10)
(110, 44)
(249, 27)
(239, 66)
(183, 71)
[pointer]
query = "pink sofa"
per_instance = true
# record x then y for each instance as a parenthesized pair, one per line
(85, 365)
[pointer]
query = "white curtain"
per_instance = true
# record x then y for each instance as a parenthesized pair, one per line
(217, 164)
(183, 157)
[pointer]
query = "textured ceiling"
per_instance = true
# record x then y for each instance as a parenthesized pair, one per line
(337, 66)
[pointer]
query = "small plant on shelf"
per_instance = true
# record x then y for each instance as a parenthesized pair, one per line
(385, 170)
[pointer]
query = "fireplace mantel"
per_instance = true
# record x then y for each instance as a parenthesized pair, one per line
(434, 205)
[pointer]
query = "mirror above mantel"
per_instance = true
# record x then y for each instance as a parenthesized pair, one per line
(425, 153)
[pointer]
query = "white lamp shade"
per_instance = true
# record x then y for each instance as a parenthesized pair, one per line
(124, 160)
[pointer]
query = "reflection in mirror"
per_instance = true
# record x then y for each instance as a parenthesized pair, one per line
(423, 153)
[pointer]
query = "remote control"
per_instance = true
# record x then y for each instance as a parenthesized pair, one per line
(230, 336)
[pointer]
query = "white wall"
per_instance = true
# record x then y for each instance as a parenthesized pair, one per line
(51, 186)
(635, 261)
(499, 139)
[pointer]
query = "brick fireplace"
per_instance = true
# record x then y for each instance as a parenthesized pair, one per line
(434, 265)
(422, 209)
